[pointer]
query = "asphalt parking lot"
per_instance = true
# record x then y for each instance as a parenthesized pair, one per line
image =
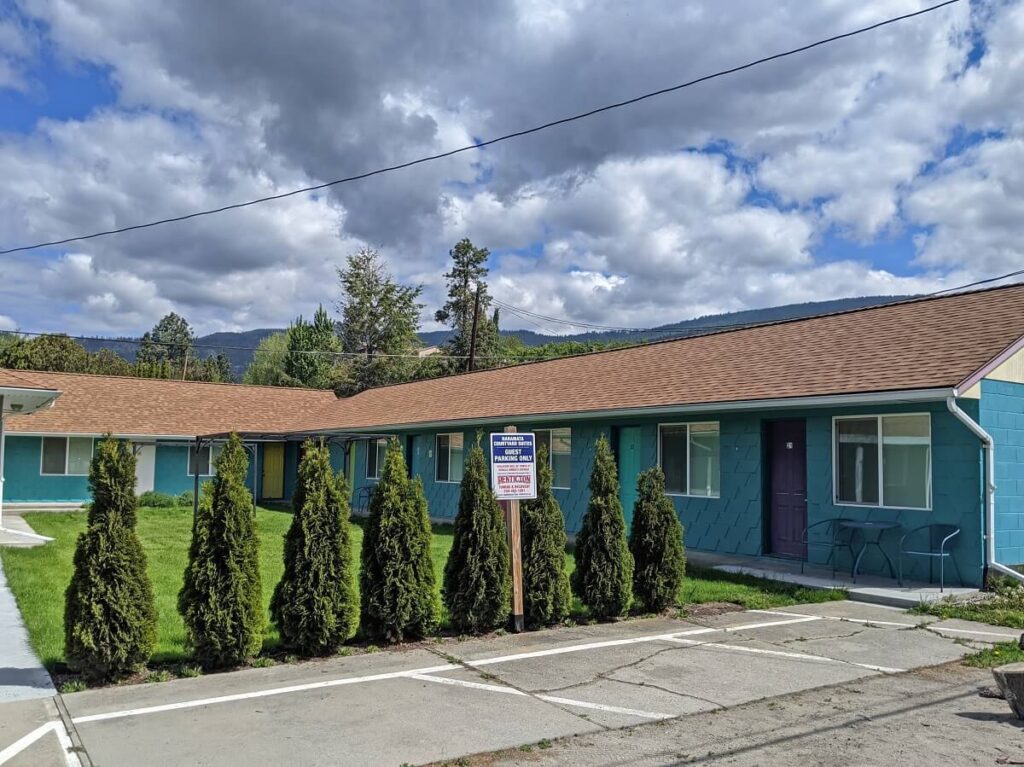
(445, 700)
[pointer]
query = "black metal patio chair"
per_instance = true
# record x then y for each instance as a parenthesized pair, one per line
(363, 499)
(830, 537)
(934, 546)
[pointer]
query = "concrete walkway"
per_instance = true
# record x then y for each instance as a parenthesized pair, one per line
(447, 699)
(22, 676)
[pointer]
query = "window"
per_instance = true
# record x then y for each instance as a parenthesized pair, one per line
(883, 461)
(448, 466)
(68, 456)
(559, 445)
(205, 460)
(375, 457)
(689, 454)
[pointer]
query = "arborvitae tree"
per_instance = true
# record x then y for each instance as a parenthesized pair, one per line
(546, 595)
(396, 583)
(476, 576)
(221, 599)
(656, 542)
(109, 612)
(603, 578)
(315, 605)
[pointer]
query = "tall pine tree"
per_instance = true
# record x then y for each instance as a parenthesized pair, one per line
(656, 542)
(467, 280)
(221, 599)
(546, 595)
(315, 605)
(476, 576)
(603, 578)
(396, 583)
(109, 612)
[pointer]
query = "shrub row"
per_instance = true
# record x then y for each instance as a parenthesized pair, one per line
(110, 620)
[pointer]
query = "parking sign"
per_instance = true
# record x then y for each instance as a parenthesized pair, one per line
(513, 465)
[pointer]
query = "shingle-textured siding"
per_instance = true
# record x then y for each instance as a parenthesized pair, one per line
(1002, 416)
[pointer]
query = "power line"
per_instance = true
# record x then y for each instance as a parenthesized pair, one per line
(489, 142)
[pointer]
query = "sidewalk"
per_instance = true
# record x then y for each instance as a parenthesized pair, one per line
(22, 677)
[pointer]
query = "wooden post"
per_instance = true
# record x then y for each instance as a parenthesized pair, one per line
(515, 548)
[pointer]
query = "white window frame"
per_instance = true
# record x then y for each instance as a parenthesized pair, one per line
(374, 446)
(210, 470)
(67, 455)
(881, 475)
(437, 452)
(688, 424)
(551, 455)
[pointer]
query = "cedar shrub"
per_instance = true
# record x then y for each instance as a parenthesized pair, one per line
(396, 583)
(546, 595)
(109, 611)
(603, 578)
(221, 600)
(315, 605)
(477, 583)
(656, 542)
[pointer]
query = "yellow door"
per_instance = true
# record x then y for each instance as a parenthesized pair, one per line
(273, 470)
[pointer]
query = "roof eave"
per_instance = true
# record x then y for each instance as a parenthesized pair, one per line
(991, 365)
(900, 396)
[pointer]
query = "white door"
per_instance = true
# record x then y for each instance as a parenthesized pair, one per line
(145, 468)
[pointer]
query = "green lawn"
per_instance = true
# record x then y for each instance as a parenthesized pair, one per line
(39, 576)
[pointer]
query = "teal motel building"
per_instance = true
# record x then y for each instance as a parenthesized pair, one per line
(858, 439)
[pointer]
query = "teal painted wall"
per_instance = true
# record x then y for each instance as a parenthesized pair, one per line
(735, 522)
(1002, 416)
(24, 483)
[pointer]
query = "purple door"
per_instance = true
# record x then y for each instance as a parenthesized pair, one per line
(787, 445)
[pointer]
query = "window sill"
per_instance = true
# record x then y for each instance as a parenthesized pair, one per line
(701, 497)
(853, 505)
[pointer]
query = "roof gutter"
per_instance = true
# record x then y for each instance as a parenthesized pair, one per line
(904, 396)
(988, 446)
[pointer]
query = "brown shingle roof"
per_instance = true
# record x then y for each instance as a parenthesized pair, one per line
(917, 344)
(93, 404)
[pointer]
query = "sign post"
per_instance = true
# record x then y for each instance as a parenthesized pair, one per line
(514, 478)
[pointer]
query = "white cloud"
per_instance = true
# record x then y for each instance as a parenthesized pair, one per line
(7, 323)
(625, 221)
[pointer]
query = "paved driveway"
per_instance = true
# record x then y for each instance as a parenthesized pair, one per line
(448, 699)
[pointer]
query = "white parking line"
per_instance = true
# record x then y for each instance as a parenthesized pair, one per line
(259, 694)
(868, 621)
(548, 698)
(603, 707)
(57, 728)
(784, 654)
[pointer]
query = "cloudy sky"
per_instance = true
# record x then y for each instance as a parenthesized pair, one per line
(889, 163)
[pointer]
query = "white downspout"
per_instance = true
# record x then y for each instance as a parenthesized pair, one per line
(989, 446)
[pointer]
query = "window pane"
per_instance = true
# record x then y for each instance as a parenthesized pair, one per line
(543, 437)
(673, 458)
(857, 460)
(704, 460)
(455, 459)
(561, 457)
(79, 455)
(381, 451)
(203, 460)
(441, 458)
(54, 454)
(906, 461)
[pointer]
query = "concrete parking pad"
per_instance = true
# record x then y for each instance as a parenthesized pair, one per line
(443, 700)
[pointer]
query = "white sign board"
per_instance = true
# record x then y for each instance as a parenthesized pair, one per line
(513, 465)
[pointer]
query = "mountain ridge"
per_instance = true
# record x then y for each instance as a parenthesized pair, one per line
(238, 345)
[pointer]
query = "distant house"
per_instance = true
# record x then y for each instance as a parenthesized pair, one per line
(873, 414)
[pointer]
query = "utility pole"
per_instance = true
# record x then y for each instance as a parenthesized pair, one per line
(472, 337)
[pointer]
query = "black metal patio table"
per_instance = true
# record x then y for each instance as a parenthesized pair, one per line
(865, 529)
